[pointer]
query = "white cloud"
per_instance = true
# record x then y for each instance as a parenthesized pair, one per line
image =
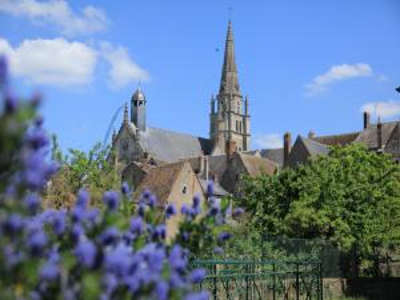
(53, 61)
(123, 69)
(337, 73)
(58, 13)
(382, 108)
(273, 140)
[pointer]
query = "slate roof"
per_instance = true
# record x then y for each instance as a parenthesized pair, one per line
(169, 146)
(275, 155)
(369, 136)
(313, 147)
(257, 165)
(304, 148)
(338, 139)
(160, 181)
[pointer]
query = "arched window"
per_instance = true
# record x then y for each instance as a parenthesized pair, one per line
(237, 125)
(238, 107)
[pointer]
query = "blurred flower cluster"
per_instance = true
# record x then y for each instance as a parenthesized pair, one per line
(86, 252)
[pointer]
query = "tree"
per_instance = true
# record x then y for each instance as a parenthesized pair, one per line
(350, 197)
(93, 170)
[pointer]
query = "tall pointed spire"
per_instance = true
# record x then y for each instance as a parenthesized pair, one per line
(229, 77)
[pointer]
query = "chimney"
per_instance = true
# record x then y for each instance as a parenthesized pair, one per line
(206, 167)
(286, 148)
(200, 169)
(230, 148)
(379, 133)
(367, 117)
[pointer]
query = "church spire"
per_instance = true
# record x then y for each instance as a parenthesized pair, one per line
(229, 78)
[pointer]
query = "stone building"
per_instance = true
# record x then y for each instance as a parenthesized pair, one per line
(221, 157)
(379, 137)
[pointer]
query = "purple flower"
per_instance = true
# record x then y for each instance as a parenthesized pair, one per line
(11, 103)
(37, 241)
(109, 236)
(12, 256)
(110, 282)
(77, 232)
(159, 232)
(185, 210)
(224, 236)
(210, 189)
(177, 258)
(78, 214)
(82, 199)
(86, 252)
(176, 280)
(32, 202)
(162, 290)
(141, 210)
(146, 194)
(13, 224)
(214, 210)
(49, 271)
(185, 236)
(197, 296)
(92, 215)
(58, 222)
(238, 212)
(111, 199)
(117, 260)
(196, 201)
(197, 275)
(170, 211)
(37, 138)
(125, 189)
(37, 170)
(152, 201)
(136, 225)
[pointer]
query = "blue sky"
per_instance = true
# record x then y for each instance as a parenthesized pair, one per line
(306, 65)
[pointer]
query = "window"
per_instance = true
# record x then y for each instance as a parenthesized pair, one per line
(238, 108)
(184, 190)
(237, 125)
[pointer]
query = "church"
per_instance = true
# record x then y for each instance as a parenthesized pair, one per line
(222, 157)
(176, 165)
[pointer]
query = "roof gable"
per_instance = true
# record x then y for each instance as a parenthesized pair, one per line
(256, 166)
(369, 136)
(393, 143)
(160, 181)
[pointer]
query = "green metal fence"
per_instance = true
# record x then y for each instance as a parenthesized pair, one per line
(262, 280)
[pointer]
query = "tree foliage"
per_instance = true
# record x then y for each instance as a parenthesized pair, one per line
(350, 197)
(93, 170)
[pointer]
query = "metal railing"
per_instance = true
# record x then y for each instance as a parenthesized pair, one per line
(262, 280)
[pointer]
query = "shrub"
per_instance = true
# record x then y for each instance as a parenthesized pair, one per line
(87, 252)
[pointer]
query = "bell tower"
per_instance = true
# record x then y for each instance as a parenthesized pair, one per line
(230, 121)
(138, 109)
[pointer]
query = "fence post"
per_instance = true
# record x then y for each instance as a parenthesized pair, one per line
(215, 281)
(273, 281)
(297, 282)
(321, 281)
(247, 281)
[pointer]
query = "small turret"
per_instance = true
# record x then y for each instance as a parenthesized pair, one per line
(138, 109)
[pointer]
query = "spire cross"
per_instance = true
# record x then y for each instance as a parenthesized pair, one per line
(230, 9)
